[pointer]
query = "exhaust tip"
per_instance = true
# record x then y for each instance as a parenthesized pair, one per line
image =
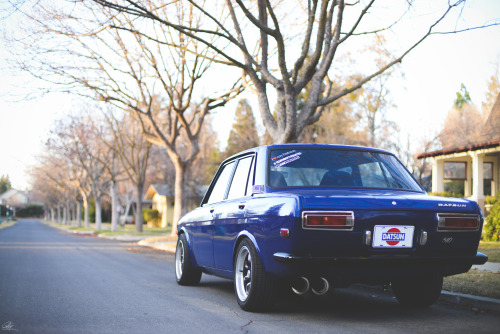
(320, 286)
(300, 286)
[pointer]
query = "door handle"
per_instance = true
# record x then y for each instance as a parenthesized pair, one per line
(241, 206)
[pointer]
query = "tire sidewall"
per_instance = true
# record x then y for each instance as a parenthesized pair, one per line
(261, 295)
(190, 275)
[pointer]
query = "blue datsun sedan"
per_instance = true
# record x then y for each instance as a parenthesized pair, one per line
(315, 217)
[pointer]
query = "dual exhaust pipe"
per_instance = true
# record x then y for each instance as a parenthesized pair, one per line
(318, 285)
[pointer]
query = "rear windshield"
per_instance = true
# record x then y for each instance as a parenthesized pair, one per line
(330, 168)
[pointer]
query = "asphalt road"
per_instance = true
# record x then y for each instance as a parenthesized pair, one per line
(54, 282)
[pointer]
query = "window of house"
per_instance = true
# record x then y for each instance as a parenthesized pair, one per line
(488, 178)
(455, 174)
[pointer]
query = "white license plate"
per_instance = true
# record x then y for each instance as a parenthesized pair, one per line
(394, 236)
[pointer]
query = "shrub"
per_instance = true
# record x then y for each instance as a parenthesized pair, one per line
(492, 227)
(31, 210)
(151, 216)
(491, 199)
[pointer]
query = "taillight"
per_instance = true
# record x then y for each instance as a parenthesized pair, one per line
(328, 220)
(458, 222)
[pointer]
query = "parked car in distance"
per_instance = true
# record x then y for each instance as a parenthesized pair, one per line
(315, 217)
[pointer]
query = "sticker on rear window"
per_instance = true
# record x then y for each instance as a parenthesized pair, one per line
(286, 158)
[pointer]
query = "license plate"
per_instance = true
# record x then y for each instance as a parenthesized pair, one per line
(394, 236)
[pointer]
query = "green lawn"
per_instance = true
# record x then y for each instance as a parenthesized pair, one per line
(474, 282)
(4, 224)
(128, 229)
(492, 249)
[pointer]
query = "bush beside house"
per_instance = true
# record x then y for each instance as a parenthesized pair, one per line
(151, 217)
(492, 226)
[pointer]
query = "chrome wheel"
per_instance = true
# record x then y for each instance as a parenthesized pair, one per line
(179, 259)
(243, 273)
(185, 272)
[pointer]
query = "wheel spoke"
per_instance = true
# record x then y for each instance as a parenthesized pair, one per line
(243, 269)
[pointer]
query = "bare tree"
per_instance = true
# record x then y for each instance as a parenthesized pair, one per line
(132, 148)
(78, 136)
(99, 59)
(80, 181)
(51, 177)
(264, 37)
(462, 126)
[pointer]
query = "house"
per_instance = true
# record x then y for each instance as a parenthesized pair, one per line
(162, 196)
(473, 168)
(14, 198)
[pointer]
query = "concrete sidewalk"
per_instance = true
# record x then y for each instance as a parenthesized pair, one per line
(492, 267)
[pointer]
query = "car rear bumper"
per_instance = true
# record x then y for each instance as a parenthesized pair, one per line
(479, 258)
(375, 268)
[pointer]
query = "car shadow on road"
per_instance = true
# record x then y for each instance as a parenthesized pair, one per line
(357, 302)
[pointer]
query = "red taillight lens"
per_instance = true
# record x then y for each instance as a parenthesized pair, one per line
(458, 222)
(328, 220)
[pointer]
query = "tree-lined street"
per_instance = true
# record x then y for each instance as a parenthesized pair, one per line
(54, 282)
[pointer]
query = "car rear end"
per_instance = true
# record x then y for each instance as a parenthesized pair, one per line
(363, 218)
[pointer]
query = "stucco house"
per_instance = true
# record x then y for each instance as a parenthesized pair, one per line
(14, 197)
(475, 166)
(162, 196)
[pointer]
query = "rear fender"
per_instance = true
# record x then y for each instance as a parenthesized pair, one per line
(191, 254)
(245, 235)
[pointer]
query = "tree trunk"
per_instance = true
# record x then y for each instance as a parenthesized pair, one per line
(98, 217)
(52, 215)
(79, 214)
(65, 215)
(59, 214)
(138, 205)
(178, 198)
(86, 217)
(114, 206)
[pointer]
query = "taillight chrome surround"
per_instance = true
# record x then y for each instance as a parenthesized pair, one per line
(328, 220)
(458, 222)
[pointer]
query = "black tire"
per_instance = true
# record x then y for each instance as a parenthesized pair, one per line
(185, 272)
(254, 289)
(418, 292)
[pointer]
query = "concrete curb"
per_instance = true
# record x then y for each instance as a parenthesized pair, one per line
(164, 246)
(129, 238)
(475, 303)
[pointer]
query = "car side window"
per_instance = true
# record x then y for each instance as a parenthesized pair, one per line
(220, 186)
(240, 178)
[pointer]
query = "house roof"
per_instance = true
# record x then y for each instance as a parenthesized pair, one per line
(160, 189)
(489, 137)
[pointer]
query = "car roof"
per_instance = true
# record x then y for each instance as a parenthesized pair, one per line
(327, 146)
(306, 146)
